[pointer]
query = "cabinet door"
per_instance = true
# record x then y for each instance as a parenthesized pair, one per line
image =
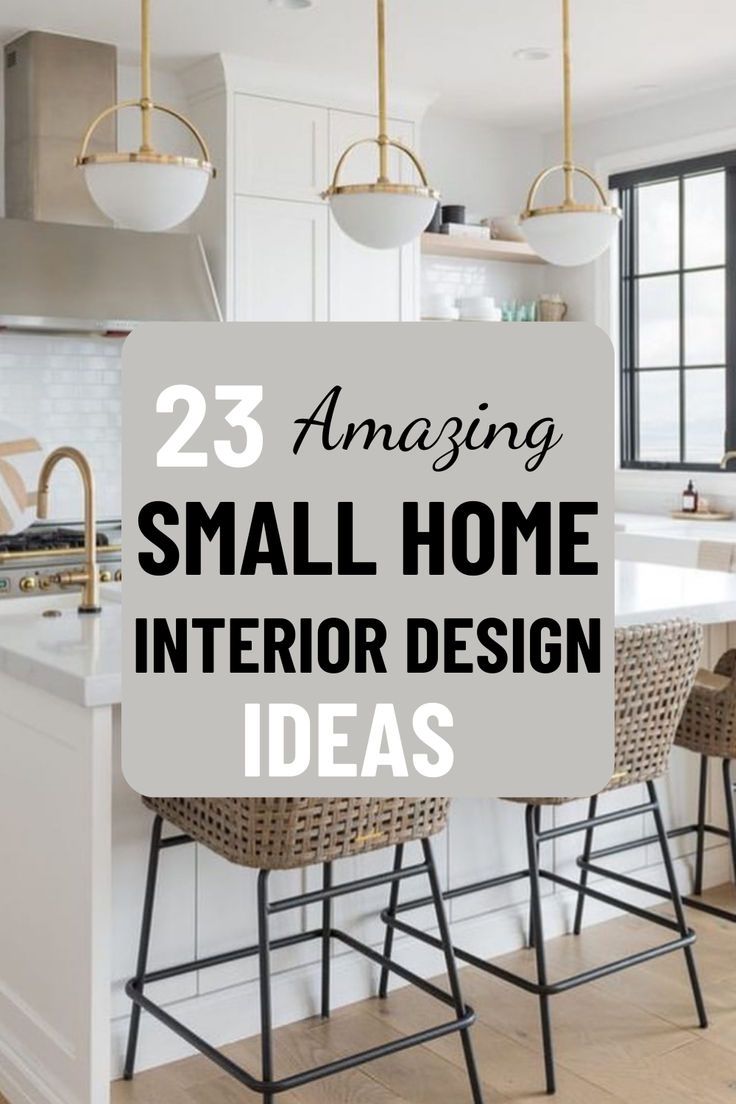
(280, 261)
(369, 285)
(280, 148)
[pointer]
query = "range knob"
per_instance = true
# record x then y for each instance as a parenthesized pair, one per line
(106, 576)
(118, 575)
(28, 582)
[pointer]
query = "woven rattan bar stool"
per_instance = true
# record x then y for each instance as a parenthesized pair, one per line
(283, 834)
(708, 728)
(655, 666)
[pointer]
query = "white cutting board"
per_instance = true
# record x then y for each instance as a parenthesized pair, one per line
(21, 456)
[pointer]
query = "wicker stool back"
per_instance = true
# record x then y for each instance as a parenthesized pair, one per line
(283, 833)
(708, 724)
(655, 668)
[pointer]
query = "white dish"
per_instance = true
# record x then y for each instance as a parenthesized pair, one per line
(450, 314)
(506, 228)
(478, 304)
(480, 316)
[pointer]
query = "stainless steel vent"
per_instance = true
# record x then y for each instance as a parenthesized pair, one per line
(90, 278)
(54, 85)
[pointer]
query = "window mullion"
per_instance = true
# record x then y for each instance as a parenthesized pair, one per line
(730, 441)
(681, 304)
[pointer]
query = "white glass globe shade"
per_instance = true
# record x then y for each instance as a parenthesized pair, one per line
(144, 195)
(571, 237)
(382, 220)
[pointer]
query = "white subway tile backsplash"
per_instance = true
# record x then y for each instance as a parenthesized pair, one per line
(66, 391)
(460, 276)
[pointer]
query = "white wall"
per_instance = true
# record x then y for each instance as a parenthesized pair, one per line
(488, 170)
(169, 135)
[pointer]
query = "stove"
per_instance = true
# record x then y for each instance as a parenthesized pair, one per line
(29, 561)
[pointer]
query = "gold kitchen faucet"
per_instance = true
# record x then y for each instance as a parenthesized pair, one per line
(87, 578)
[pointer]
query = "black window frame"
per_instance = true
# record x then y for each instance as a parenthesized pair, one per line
(626, 185)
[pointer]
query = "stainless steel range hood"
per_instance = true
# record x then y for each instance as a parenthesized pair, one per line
(63, 267)
(56, 276)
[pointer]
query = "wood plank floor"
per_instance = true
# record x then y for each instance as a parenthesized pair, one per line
(628, 1038)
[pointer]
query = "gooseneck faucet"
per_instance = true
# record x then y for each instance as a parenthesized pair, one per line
(726, 457)
(88, 578)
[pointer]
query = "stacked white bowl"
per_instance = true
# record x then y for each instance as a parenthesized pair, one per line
(479, 308)
(439, 308)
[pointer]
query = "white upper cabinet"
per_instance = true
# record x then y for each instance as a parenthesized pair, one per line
(280, 260)
(369, 285)
(280, 148)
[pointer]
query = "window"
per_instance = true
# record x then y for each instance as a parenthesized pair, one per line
(678, 313)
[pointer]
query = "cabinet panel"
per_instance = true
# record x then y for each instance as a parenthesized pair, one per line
(369, 285)
(173, 933)
(280, 261)
(280, 148)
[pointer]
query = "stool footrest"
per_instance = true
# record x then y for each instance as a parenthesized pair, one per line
(553, 987)
(134, 990)
(649, 887)
(564, 984)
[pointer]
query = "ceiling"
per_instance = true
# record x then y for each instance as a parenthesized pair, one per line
(626, 52)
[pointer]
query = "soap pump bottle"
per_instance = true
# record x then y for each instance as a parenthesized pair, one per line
(690, 499)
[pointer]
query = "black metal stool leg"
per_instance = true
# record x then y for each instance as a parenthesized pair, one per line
(264, 962)
(728, 785)
(537, 828)
(587, 848)
(143, 945)
(326, 939)
(702, 803)
(388, 942)
(677, 904)
(451, 967)
(536, 911)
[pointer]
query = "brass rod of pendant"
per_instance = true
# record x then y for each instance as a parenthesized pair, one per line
(382, 112)
(146, 102)
(567, 101)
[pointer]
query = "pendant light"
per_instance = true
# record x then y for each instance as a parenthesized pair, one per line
(570, 233)
(382, 214)
(146, 189)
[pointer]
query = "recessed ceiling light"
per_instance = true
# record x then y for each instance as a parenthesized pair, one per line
(293, 5)
(532, 53)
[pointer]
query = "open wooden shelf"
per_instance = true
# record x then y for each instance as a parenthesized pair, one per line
(479, 249)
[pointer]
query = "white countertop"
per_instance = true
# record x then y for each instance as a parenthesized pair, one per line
(75, 657)
(664, 526)
(80, 658)
(656, 592)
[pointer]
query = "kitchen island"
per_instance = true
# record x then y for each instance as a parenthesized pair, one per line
(73, 848)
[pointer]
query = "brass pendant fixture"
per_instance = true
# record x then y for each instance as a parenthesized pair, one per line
(145, 189)
(569, 233)
(382, 214)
